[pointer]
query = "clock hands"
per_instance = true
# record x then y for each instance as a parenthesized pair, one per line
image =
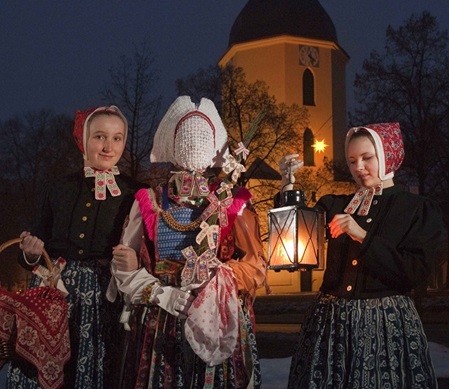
(309, 56)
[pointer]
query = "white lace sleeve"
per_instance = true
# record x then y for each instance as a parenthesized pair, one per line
(131, 284)
(132, 234)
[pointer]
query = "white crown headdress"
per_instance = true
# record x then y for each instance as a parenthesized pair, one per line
(192, 137)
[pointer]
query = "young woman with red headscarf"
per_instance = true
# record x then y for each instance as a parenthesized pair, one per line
(363, 330)
(80, 218)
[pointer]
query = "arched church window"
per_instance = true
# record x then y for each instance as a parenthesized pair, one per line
(308, 141)
(308, 88)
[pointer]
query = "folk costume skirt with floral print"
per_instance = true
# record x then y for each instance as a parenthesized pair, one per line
(94, 331)
(159, 357)
(364, 343)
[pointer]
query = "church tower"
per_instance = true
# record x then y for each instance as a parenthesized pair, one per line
(292, 46)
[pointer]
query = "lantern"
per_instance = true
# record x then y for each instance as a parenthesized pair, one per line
(296, 235)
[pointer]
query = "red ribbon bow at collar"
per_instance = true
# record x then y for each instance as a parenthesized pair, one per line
(103, 179)
(363, 199)
(220, 205)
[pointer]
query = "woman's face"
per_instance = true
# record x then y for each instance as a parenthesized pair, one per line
(363, 162)
(105, 142)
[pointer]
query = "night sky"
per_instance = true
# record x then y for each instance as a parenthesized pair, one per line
(55, 54)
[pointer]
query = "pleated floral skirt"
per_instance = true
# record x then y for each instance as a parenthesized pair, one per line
(365, 343)
(159, 357)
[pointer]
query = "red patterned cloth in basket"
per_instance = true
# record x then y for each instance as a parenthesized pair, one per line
(38, 323)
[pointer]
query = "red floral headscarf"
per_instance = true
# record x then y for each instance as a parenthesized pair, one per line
(82, 121)
(389, 146)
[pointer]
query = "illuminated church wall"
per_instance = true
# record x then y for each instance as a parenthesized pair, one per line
(278, 63)
(281, 62)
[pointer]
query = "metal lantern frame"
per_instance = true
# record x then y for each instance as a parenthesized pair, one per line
(296, 238)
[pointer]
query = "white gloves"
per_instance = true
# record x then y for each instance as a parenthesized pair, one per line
(174, 300)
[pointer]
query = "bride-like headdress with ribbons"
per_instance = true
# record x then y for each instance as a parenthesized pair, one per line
(192, 137)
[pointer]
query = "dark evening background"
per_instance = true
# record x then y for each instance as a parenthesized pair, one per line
(57, 54)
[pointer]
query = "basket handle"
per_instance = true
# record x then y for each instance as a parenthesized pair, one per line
(47, 259)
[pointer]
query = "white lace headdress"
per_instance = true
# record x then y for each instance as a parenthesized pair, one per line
(191, 136)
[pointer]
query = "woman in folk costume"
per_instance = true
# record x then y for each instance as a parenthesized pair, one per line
(192, 284)
(363, 330)
(79, 218)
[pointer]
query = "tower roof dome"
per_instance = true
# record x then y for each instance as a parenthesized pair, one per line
(268, 18)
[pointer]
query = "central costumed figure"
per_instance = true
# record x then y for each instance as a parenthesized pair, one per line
(190, 261)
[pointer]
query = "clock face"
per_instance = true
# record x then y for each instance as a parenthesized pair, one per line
(309, 56)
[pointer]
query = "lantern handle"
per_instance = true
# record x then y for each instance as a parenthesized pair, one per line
(291, 181)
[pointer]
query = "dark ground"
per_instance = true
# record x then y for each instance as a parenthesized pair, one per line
(279, 318)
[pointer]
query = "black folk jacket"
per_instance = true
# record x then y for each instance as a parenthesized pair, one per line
(404, 231)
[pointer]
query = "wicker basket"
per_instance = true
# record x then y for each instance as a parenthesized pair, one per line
(7, 349)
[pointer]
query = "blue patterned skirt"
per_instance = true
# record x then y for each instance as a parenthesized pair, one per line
(367, 343)
(94, 331)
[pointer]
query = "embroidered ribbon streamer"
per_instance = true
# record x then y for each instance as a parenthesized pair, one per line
(235, 167)
(190, 180)
(103, 179)
(220, 205)
(363, 198)
(241, 149)
(192, 183)
(196, 269)
(209, 232)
